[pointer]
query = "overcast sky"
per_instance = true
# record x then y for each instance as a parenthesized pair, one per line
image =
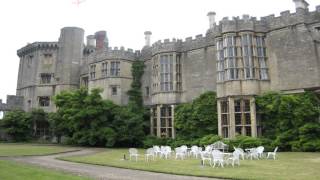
(27, 21)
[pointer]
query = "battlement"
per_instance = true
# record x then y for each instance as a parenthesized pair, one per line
(36, 46)
(267, 23)
(13, 102)
(114, 53)
(189, 43)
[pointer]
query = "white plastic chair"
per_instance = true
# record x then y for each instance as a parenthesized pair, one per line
(157, 150)
(273, 154)
(180, 153)
(253, 153)
(260, 150)
(240, 152)
(165, 151)
(194, 151)
(235, 158)
(149, 152)
(208, 149)
(205, 156)
(133, 152)
(217, 158)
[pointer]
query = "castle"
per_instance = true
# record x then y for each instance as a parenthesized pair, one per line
(238, 58)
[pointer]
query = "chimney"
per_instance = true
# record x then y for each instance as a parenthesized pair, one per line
(212, 19)
(147, 36)
(91, 41)
(301, 5)
(101, 40)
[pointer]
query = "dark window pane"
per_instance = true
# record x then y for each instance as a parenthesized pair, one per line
(237, 106)
(248, 131)
(238, 130)
(238, 119)
(248, 118)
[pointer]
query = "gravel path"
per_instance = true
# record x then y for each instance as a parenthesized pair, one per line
(95, 171)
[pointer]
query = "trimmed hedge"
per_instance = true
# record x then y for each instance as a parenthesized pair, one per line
(240, 141)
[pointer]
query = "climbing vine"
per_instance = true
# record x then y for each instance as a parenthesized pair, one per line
(135, 94)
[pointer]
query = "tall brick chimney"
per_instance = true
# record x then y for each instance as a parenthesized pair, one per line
(101, 40)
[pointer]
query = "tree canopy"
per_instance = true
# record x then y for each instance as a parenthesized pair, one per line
(292, 120)
(198, 118)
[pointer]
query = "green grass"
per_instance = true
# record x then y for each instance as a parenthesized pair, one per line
(13, 171)
(289, 165)
(30, 149)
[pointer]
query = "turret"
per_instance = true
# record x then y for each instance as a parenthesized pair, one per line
(212, 19)
(147, 36)
(70, 55)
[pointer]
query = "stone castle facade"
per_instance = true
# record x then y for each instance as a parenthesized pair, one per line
(238, 58)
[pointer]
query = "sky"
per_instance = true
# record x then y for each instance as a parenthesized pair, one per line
(27, 21)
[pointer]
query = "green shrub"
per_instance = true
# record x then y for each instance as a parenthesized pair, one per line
(209, 139)
(150, 141)
(311, 146)
(245, 142)
(17, 125)
(179, 142)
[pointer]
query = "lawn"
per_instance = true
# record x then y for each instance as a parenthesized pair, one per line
(289, 165)
(14, 171)
(8, 149)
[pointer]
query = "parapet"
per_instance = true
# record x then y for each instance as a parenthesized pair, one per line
(166, 46)
(267, 23)
(178, 45)
(114, 53)
(13, 102)
(36, 46)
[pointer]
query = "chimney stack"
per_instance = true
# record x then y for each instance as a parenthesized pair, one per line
(91, 41)
(101, 40)
(212, 19)
(301, 4)
(147, 36)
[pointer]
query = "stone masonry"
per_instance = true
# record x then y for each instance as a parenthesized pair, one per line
(238, 58)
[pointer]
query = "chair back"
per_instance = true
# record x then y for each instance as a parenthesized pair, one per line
(208, 148)
(260, 149)
(156, 148)
(150, 151)
(168, 149)
(205, 154)
(194, 148)
(236, 154)
(133, 151)
(217, 155)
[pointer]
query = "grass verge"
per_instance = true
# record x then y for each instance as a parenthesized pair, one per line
(14, 171)
(12, 149)
(291, 165)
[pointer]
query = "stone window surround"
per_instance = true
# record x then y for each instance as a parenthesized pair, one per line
(166, 72)
(161, 81)
(104, 69)
(92, 71)
(162, 115)
(45, 78)
(44, 101)
(260, 67)
(114, 90)
(115, 68)
(227, 129)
